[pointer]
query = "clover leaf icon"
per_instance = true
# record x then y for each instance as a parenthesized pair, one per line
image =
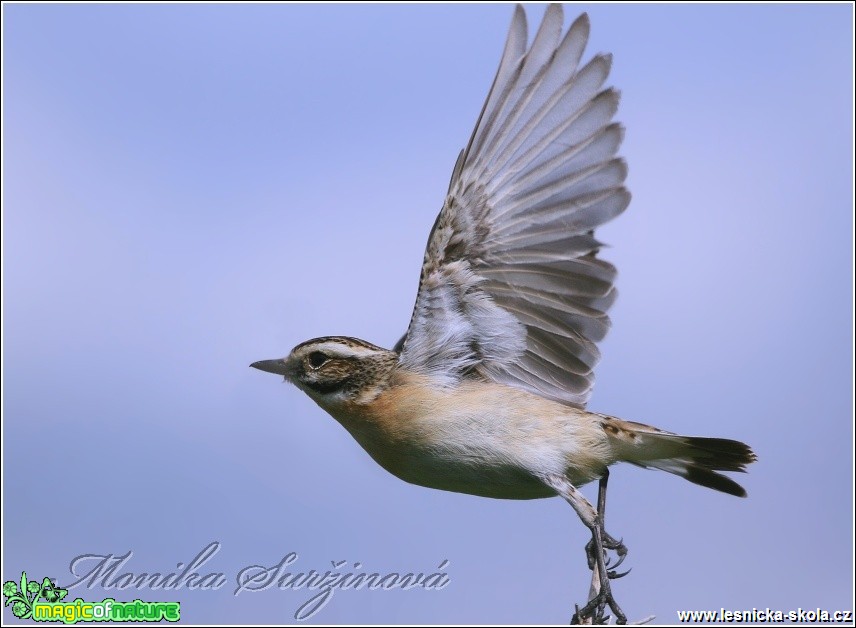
(22, 599)
(51, 592)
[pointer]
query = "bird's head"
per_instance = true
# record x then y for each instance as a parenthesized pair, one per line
(334, 369)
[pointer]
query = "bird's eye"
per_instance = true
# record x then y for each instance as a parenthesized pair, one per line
(317, 359)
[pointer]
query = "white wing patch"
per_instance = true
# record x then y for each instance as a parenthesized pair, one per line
(511, 289)
(461, 327)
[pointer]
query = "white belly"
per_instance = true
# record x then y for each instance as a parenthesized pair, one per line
(481, 439)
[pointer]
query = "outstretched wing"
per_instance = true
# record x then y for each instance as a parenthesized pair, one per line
(511, 288)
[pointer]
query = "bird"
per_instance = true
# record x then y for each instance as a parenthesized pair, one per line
(486, 392)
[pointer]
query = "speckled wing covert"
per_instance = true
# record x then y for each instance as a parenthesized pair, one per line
(511, 288)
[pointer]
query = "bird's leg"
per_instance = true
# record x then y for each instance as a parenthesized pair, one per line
(608, 542)
(601, 596)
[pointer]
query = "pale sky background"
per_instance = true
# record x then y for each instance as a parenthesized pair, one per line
(188, 189)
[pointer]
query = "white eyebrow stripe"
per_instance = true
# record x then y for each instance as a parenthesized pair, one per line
(340, 349)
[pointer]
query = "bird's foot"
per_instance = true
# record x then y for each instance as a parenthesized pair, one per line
(608, 543)
(594, 612)
(596, 551)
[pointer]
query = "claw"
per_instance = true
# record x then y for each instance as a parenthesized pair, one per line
(609, 543)
(621, 557)
(595, 608)
(612, 575)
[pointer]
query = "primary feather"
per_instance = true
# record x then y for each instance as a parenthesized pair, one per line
(511, 289)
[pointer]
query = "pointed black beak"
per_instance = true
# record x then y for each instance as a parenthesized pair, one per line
(277, 367)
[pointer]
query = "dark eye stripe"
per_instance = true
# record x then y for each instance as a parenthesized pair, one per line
(328, 387)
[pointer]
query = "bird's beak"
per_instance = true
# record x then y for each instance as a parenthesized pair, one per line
(277, 367)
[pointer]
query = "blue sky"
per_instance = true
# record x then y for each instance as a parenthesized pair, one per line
(188, 189)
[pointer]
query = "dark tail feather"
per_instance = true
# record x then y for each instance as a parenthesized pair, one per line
(711, 479)
(695, 458)
(698, 460)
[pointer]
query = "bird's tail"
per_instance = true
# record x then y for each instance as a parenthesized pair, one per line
(694, 458)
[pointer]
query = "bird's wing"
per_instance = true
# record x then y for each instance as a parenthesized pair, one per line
(511, 289)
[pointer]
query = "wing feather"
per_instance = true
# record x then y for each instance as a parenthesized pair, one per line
(511, 289)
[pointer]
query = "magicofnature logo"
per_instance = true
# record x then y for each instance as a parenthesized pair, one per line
(44, 602)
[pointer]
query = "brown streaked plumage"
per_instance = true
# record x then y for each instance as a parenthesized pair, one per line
(486, 392)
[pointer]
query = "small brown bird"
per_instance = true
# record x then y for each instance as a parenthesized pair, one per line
(486, 392)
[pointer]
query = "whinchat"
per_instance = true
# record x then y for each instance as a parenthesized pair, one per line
(486, 392)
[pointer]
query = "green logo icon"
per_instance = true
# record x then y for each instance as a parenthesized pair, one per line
(44, 602)
(22, 599)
